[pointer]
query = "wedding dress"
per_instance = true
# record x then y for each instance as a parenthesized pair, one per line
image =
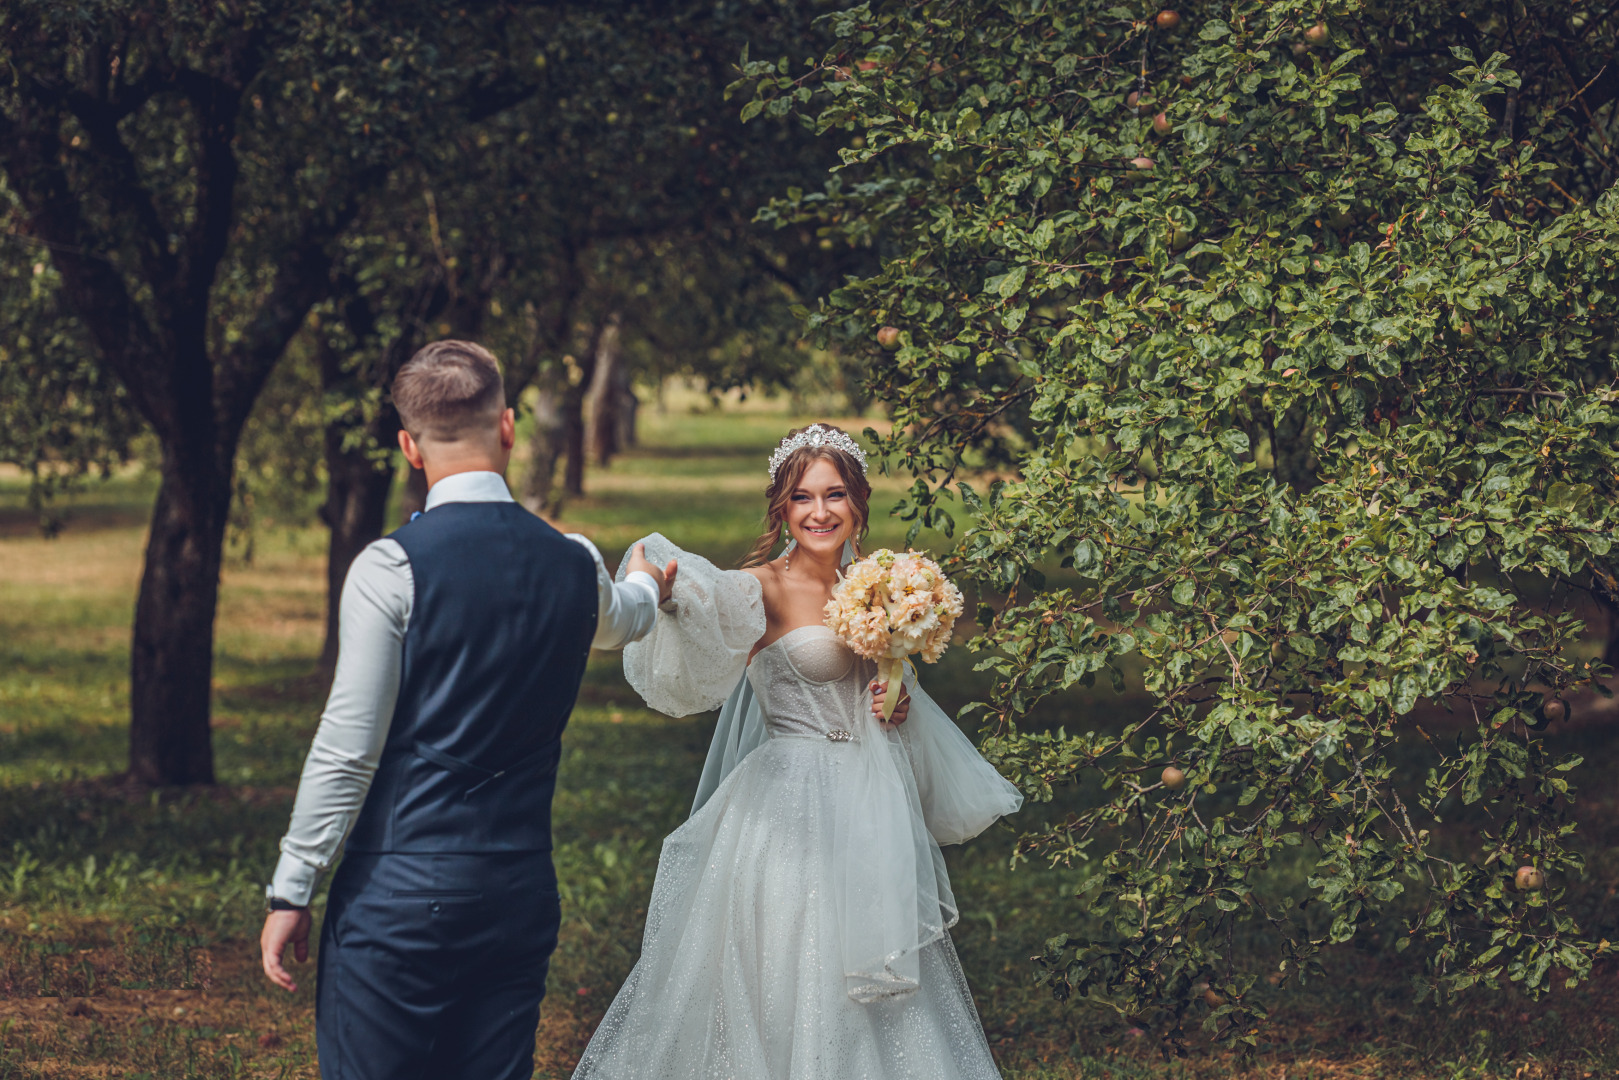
(798, 926)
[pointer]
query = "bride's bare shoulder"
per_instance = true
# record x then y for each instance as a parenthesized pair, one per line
(769, 578)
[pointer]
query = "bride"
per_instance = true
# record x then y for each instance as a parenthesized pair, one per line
(798, 927)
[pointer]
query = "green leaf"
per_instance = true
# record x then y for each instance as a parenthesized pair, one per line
(1009, 283)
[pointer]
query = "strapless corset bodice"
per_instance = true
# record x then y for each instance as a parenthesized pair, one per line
(809, 682)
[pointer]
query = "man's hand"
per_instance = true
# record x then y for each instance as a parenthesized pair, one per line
(283, 928)
(665, 577)
(901, 710)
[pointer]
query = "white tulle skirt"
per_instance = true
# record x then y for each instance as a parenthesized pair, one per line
(740, 974)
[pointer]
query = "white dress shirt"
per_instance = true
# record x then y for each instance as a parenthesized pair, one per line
(375, 610)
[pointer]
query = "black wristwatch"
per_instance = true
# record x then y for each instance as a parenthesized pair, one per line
(273, 902)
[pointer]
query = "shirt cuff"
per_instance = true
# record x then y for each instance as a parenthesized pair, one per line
(294, 880)
(641, 577)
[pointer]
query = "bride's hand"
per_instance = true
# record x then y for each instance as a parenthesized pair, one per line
(901, 710)
(665, 577)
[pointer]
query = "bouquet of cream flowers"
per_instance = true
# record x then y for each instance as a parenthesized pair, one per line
(890, 605)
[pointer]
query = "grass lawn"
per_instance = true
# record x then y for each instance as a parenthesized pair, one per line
(129, 919)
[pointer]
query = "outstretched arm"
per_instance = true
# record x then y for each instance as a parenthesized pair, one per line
(665, 578)
(627, 610)
(698, 646)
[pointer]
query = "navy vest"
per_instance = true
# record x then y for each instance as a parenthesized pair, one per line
(500, 628)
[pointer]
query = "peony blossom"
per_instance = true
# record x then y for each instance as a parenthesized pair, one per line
(890, 605)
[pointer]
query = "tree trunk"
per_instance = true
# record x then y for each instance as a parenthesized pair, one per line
(545, 448)
(604, 394)
(573, 416)
(172, 654)
(573, 440)
(629, 407)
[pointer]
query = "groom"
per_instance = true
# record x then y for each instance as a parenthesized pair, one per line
(462, 641)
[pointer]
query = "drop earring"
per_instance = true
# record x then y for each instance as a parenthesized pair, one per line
(787, 554)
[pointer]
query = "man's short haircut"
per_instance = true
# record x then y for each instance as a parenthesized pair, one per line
(447, 389)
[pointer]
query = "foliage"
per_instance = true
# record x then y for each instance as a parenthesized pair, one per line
(1292, 323)
(279, 471)
(638, 185)
(190, 167)
(616, 183)
(61, 418)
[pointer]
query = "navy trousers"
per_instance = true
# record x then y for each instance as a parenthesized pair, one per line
(433, 966)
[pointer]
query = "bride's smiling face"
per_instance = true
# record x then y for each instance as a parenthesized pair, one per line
(819, 516)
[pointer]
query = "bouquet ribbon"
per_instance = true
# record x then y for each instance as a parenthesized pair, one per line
(891, 673)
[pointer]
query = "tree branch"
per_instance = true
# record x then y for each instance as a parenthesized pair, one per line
(303, 278)
(28, 152)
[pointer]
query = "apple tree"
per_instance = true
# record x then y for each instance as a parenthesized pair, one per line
(1287, 329)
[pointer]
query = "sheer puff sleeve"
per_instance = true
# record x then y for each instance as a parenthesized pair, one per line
(961, 793)
(698, 649)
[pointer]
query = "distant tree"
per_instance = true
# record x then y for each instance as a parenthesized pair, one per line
(1290, 327)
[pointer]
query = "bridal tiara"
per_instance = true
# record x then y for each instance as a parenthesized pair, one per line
(816, 436)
